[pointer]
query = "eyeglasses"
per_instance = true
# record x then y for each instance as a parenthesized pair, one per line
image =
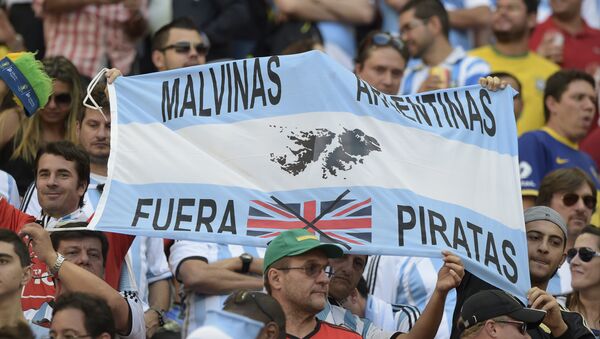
(63, 99)
(585, 254)
(521, 325)
(571, 199)
(312, 270)
(241, 297)
(184, 47)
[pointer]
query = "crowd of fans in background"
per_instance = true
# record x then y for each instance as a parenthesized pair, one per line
(53, 166)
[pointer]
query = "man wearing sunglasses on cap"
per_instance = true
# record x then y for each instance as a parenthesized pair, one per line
(493, 314)
(569, 107)
(546, 239)
(179, 44)
(381, 60)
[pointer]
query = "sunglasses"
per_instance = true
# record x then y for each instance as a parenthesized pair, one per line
(312, 270)
(184, 47)
(585, 254)
(386, 39)
(522, 326)
(242, 297)
(571, 199)
(63, 99)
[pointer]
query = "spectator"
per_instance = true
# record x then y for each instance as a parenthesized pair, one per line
(590, 11)
(566, 39)
(512, 80)
(424, 26)
(335, 20)
(53, 123)
(558, 190)
(179, 44)
(584, 259)
(62, 175)
(512, 21)
(348, 274)
(302, 295)
(381, 61)
(496, 314)
(15, 272)
(569, 105)
(79, 314)
(261, 307)
(82, 269)
(546, 239)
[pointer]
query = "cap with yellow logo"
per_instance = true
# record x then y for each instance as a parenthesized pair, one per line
(295, 242)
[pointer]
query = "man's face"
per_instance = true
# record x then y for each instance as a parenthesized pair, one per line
(347, 272)
(12, 276)
(57, 183)
(303, 292)
(545, 245)
(68, 322)
(172, 58)
(576, 215)
(85, 253)
(572, 115)
(416, 33)
(383, 69)
(94, 135)
(510, 20)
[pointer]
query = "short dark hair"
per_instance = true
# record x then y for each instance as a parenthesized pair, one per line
(98, 316)
(562, 180)
(558, 83)
(20, 249)
(425, 9)
(70, 152)
(99, 95)
(366, 46)
(258, 306)
(531, 5)
(59, 236)
(508, 75)
(161, 36)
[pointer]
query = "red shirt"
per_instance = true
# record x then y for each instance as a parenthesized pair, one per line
(581, 51)
(40, 288)
(325, 330)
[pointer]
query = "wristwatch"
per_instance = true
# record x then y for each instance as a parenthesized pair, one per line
(246, 261)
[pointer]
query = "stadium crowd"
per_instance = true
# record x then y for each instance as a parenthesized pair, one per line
(59, 282)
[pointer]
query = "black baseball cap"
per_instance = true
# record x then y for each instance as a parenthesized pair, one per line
(488, 304)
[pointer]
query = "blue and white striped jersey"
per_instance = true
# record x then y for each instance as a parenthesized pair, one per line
(196, 305)
(408, 280)
(464, 70)
(340, 316)
(9, 190)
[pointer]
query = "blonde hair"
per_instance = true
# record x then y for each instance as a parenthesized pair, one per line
(29, 136)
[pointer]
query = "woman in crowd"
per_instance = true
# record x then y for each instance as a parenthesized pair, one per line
(56, 121)
(584, 259)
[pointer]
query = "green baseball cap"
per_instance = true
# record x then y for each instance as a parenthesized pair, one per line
(295, 242)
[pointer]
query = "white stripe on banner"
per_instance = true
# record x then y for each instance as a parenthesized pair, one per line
(236, 152)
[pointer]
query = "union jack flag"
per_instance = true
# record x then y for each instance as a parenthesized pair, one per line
(349, 221)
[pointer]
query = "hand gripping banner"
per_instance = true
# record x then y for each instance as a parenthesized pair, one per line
(236, 152)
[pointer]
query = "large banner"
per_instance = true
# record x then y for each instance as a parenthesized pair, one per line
(236, 152)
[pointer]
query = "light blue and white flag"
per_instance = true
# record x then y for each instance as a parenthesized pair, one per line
(235, 152)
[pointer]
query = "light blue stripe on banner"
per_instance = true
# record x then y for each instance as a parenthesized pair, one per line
(310, 82)
(403, 223)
